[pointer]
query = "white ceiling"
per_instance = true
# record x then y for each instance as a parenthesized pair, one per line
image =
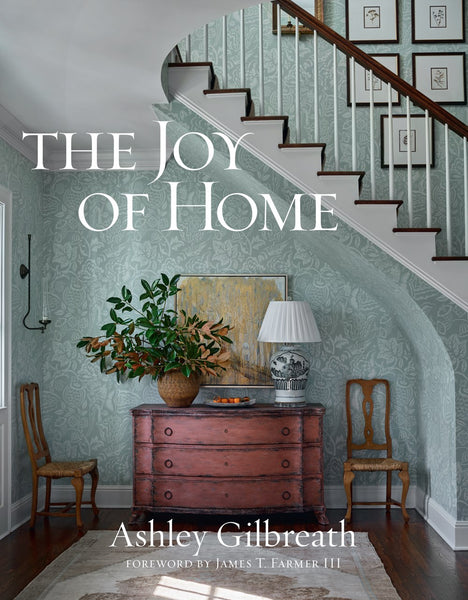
(91, 66)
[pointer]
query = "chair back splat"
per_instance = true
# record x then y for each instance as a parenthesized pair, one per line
(367, 386)
(38, 448)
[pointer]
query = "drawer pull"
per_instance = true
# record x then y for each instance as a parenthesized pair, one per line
(168, 463)
(226, 431)
(226, 464)
(285, 463)
(285, 431)
(286, 495)
(168, 431)
(168, 495)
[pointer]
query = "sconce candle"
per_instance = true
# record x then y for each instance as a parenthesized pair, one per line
(25, 271)
(45, 299)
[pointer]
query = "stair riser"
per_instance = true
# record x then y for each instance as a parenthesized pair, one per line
(415, 251)
(189, 79)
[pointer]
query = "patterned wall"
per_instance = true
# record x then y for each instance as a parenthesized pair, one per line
(27, 346)
(335, 18)
(376, 318)
(370, 325)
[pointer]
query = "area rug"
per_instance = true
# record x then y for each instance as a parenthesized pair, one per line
(92, 569)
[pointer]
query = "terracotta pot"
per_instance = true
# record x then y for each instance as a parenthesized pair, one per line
(177, 390)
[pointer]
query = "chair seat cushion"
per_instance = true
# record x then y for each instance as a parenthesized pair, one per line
(73, 468)
(375, 464)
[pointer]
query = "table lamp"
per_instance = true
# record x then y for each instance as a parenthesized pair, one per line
(289, 322)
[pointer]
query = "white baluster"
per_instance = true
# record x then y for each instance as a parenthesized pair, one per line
(188, 48)
(205, 41)
(409, 160)
(390, 145)
(225, 54)
(316, 106)
(335, 109)
(298, 91)
(448, 215)
(279, 61)
(371, 134)
(465, 179)
(428, 170)
(261, 77)
(352, 67)
(242, 47)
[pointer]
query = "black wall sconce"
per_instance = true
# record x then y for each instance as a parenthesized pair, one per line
(25, 271)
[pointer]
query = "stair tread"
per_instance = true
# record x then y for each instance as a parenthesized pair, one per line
(192, 64)
(228, 91)
(384, 202)
(360, 173)
(417, 230)
(437, 258)
(267, 118)
(301, 145)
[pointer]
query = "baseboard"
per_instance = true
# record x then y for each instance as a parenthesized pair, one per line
(21, 509)
(454, 532)
(335, 496)
(107, 496)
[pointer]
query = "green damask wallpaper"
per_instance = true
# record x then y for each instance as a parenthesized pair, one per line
(27, 346)
(376, 318)
(335, 18)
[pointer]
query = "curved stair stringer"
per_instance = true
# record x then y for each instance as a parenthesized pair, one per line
(302, 166)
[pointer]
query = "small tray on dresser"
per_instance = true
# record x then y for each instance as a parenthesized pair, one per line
(211, 402)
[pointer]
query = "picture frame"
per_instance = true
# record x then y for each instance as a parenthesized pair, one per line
(441, 76)
(437, 21)
(369, 22)
(288, 27)
(241, 300)
(362, 81)
(400, 138)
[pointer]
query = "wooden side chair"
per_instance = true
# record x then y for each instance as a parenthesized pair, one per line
(44, 466)
(387, 464)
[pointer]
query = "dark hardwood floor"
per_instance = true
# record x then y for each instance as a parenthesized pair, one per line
(419, 563)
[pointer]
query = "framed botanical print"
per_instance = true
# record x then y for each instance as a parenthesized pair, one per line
(440, 76)
(314, 7)
(401, 140)
(241, 300)
(369, 22)
(438, 21)
(362, 81)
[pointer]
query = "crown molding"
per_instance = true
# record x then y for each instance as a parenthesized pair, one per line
(11, 130)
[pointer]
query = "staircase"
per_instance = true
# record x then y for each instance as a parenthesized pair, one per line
(232, 111)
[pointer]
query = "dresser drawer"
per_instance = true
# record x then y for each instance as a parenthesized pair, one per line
(312, 429)
(221, 493)
(313, 491)
(218, 461)
(227, 429)
(142, 429)
(312, 461)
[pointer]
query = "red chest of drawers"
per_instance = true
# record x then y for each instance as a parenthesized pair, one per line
(256, 459)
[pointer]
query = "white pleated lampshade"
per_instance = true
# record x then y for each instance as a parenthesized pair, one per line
(289, 322)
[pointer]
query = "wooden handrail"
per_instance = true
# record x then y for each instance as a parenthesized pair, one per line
(366, 61)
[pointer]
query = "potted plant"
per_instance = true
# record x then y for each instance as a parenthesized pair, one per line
(153, 339)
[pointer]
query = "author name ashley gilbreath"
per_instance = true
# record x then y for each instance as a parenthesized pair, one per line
(260, 536)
